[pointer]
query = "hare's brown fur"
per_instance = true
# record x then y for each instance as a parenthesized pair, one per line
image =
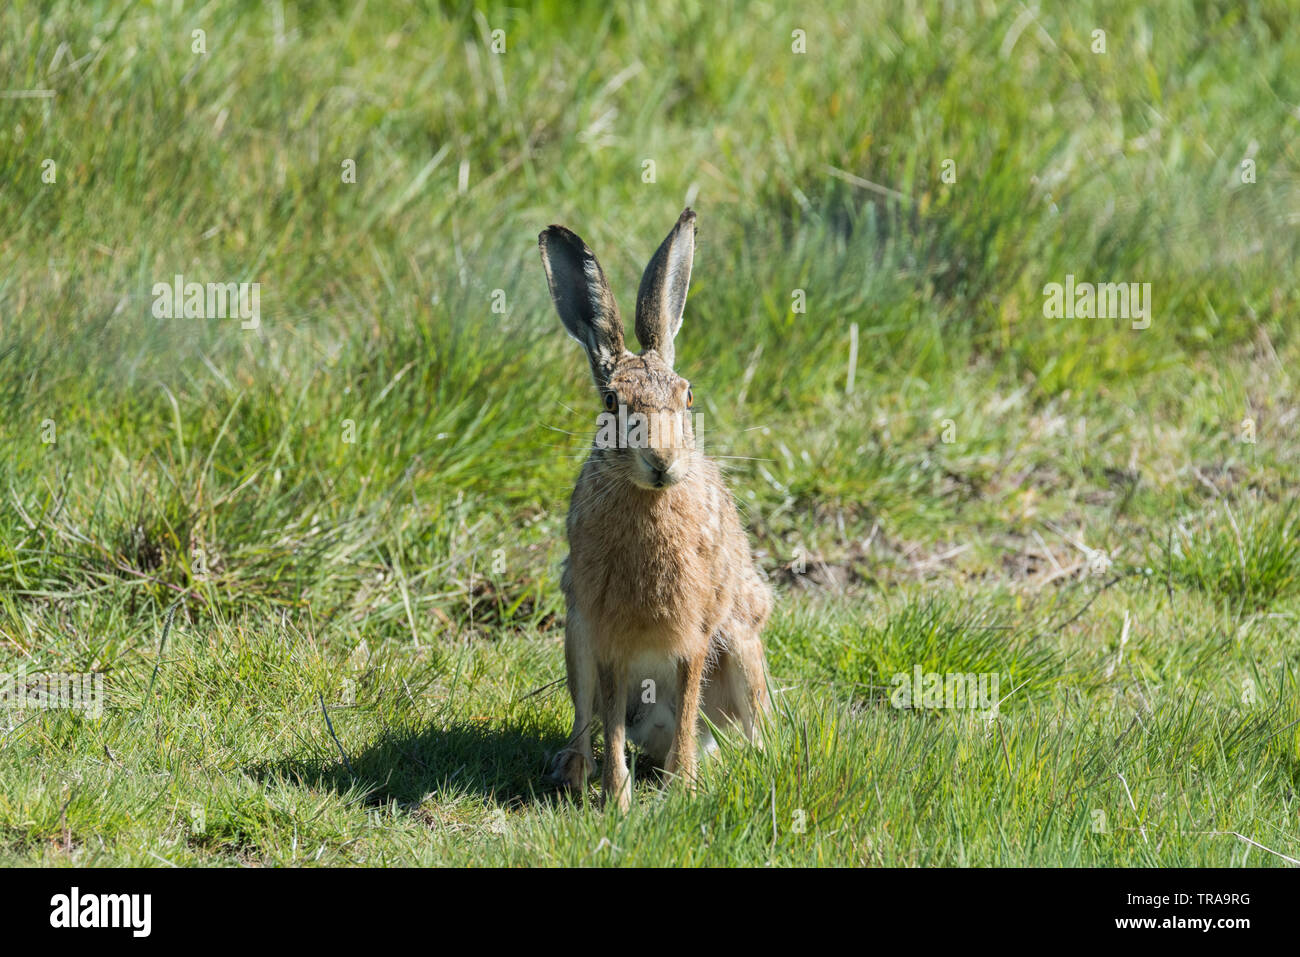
(665, 607)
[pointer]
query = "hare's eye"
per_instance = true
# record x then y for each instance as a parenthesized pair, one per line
(690, 398)
(611, 402)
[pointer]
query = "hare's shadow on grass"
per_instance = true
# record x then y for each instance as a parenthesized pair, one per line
(504, 762)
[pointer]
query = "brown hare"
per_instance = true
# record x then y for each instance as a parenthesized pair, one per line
(664, 605)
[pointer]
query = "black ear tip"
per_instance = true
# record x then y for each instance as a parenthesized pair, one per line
(559, 234)
(687, 216)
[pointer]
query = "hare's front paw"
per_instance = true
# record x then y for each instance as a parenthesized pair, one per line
(571, 769)
(617, 792)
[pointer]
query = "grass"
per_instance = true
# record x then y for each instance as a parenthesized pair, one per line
(1254, 566)
(356, 509)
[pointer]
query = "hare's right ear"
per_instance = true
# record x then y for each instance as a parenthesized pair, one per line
(582, 298)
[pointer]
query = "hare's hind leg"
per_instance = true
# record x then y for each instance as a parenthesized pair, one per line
(574, 764)
(747, 653)
(737, 690)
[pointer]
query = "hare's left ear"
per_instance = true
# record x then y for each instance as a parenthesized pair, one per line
(661, 299)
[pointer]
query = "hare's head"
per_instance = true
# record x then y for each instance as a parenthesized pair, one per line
(644, 424)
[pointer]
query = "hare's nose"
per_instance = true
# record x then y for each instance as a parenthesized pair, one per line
(656, 460)
(658, 467)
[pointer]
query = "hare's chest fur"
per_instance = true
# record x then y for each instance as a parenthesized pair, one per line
(647, 570)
